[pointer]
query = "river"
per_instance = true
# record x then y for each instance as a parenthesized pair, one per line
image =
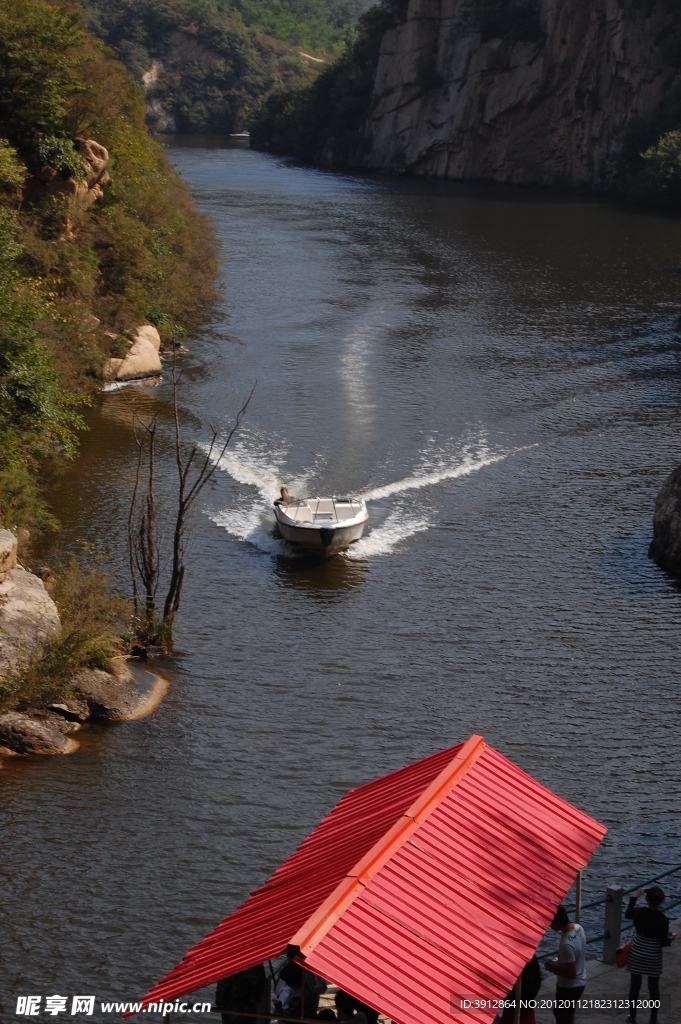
(498, 371)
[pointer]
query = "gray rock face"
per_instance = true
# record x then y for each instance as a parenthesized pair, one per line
(665, 547)
(108, 699)
(72, 709)
(8, 553)
(27, 616)
(20, 734)
(548, 110)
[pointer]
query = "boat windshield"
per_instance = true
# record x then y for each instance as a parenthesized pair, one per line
(323, 510)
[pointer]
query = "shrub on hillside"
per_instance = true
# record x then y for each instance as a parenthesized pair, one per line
(659, 179)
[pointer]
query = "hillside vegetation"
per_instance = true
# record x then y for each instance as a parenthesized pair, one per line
(206, 62)
(327, 115)
(78, 267)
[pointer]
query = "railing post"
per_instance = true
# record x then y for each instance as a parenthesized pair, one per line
(612, 923)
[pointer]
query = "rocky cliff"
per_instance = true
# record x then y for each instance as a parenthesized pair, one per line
(519, 91)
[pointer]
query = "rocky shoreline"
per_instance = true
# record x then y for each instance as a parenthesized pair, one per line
(28, 617)
(665, 547)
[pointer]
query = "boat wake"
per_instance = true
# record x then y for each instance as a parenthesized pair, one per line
(469, 464)
(253, 524)
(254, 527)
(383, 539)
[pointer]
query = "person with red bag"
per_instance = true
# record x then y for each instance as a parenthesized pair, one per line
(651, 933)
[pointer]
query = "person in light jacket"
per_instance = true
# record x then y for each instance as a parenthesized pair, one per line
(569, 967)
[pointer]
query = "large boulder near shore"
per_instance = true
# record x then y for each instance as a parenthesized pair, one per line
(21, 734)
(142, 360)
(28, 615)
(109, 699)
(665, 547)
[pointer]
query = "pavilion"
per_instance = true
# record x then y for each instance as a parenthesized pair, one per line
(419, 892)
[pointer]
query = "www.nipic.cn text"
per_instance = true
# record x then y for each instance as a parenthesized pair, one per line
(75, 1006)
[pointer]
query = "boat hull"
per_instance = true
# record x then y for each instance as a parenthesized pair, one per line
(325, 540)
(324, 526)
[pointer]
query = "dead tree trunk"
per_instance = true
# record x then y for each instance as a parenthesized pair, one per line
(143, 540)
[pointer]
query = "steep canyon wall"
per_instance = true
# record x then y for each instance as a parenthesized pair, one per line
(540, 93)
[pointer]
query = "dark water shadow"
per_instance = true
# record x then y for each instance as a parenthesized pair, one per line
(320, 577)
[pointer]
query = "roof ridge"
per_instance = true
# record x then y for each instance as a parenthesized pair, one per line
(325, 916)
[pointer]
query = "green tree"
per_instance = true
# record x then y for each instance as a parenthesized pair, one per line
(659, 180)
(41, 70)
(38, 418)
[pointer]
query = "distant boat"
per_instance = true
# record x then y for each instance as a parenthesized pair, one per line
(324, 525)
(240, 135)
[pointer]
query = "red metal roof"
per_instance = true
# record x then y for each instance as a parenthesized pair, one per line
(431, 884)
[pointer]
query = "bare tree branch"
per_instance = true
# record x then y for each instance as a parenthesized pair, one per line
(144, 539)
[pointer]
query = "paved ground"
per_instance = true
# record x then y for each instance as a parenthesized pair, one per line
(606, 982)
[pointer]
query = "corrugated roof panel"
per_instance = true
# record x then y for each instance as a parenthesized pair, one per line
(460, 907)
(263, 926)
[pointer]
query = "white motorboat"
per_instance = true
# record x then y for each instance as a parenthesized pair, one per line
(325, 525)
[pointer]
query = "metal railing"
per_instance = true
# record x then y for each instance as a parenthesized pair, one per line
(613, 902)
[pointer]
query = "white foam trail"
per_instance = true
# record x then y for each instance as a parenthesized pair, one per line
(265, 479)
(254, 525)
(411, 483)
(252, 528)
(118, 385)
(385, 538)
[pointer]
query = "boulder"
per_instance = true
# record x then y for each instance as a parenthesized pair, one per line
(84, 193)
(8, 553)
(142, 360)
(20, 734)
(665, 547)
(148, 332)
(108, 699)
(73, 709)
(28, 615)
(95, 158)
(63, 725)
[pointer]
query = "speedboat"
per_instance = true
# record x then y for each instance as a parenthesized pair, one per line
(325, 525)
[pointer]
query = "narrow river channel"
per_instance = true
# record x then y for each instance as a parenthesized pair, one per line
(499, 373)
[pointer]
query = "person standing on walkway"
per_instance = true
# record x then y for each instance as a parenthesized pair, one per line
(651, 933)
(570, 966)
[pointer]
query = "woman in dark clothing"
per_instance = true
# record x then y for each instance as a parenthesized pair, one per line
(651, 933)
